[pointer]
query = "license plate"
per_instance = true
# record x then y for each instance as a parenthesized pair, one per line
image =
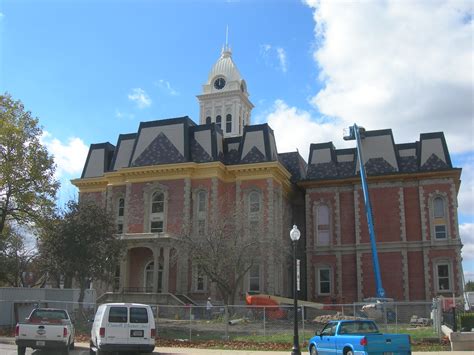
(40, 343)
(136, 333)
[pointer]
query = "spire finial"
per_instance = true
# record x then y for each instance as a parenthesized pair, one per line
(227, 38)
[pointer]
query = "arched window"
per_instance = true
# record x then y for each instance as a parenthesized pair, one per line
(208, 119)
(254, 207)
(439, 217)
(219, 120)
(157, 212)
(201, 211)
(438, 206)
(228, 123)
(120, 214)
(254, 202)
(322, 230)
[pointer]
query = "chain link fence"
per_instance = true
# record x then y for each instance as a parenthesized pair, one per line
(241, 322)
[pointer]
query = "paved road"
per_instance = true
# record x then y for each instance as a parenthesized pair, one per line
(8, 348)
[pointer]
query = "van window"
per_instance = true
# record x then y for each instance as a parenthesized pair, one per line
(118, 315)
(138, 315)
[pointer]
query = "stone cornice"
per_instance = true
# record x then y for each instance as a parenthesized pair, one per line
(226, 173)
(386, 247)
(225, 95)
(402, 177)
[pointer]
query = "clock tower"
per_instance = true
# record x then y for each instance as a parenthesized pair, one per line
(225, 99)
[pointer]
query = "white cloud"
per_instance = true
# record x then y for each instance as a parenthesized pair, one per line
(297, 129)
(466, 230)
(466, 192)
(270, 54)
(166, 86)
(282, 58)
(140, 97)
(69, 157)
(405, 65)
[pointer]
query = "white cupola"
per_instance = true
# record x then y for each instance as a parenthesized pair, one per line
(224, 99)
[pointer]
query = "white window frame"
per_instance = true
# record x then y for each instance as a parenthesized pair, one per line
(201, 215)
(148, 192)
(196, 276)
(120, 218)
(254, 217)
(437, 264)
(316, 233)
(319, 281)
(250, 278)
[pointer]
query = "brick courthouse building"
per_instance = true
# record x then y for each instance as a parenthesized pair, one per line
(172, 171)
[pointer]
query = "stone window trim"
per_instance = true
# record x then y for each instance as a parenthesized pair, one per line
(317, 289)
(260, 278)
(148, 193)
(197, 215)
(315, 224)
(437, 262)
(439, 221)
(195, 276)
(248, 193)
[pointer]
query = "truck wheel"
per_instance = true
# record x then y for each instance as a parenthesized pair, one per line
(313, 351)
(21, 350)
(71, 346)
(350, 352)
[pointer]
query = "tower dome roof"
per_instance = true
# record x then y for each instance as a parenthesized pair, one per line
(226, 67)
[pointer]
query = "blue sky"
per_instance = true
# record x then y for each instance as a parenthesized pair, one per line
(90, 70)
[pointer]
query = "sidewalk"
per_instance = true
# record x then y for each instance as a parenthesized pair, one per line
(192, 351)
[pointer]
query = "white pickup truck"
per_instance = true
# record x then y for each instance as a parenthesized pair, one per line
(45, 328)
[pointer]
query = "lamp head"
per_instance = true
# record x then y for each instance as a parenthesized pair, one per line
(295, 233)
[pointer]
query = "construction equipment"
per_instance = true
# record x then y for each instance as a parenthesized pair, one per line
(357, 133)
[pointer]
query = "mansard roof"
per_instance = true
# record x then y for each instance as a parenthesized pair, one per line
(180, 140)
(381, 156)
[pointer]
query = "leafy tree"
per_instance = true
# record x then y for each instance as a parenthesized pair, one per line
(81, 243)
(16, 260)
(469, 286)
(227, 248)
(27, 184)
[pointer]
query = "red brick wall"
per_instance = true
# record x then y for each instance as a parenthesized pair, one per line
(386, 212)
(97, 197)
(139, 257)
(412, 214)
(347, 218)
(349, 278)
(416, 280)
(136, 209)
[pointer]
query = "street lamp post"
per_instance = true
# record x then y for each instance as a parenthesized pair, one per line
(295, 236)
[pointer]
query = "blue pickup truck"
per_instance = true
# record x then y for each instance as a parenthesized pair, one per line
(357, 337)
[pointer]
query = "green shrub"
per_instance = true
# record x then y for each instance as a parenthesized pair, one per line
(467, 321)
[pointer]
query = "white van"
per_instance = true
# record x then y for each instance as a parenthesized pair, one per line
(127, 327)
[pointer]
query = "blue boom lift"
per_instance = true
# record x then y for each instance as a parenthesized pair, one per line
(357, 133)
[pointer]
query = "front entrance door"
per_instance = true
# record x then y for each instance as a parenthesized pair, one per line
(149, 277)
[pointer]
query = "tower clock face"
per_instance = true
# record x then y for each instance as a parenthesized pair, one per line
(219, 83)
